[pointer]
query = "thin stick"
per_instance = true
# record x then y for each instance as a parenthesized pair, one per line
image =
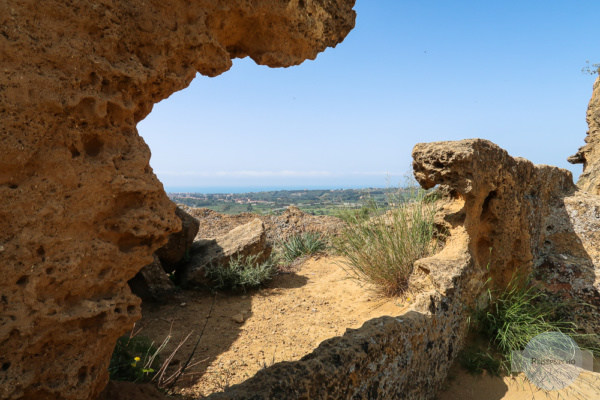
(196, 345)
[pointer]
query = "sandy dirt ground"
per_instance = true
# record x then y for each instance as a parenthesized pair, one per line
(460, 385)
(247, 332)
(285, 321)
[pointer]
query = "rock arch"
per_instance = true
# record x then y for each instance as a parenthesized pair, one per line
(81, 209)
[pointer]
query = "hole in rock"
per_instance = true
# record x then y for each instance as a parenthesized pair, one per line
(92, 145)
(41, 252)
(22, 281)
(82, 374)
(5, 366)
(74, 152)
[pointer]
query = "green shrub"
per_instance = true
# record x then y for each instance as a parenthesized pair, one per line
(300, 245)
(380, 246)
(241, 273)
(134, 359)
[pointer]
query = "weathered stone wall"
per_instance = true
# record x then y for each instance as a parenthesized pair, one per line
(81, 209)
(589, 155)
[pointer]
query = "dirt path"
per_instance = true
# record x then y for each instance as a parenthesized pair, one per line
(284, 321)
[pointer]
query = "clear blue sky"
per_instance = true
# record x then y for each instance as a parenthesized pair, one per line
(411, 71)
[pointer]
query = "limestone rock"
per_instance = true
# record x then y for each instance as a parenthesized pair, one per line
(503, 201)
(180, 243)
(245, 240)
(82, 210)
(589, 155)
(152, 282)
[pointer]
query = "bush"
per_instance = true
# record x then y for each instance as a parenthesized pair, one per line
(380, 246)
(135, 359)
(241, 273)
(300, 245)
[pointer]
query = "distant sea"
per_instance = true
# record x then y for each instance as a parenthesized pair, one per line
(251, 189)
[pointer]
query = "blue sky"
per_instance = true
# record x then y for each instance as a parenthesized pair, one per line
(411, 71)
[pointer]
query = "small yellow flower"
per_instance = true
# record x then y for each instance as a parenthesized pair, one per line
(137, 359)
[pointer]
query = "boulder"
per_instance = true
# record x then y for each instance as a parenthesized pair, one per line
(82, 210)
(152, 282)
(180, 243)
(245, 240)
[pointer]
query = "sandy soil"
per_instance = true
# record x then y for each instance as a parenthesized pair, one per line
(247, 332)
(464, 386)
(285, 321)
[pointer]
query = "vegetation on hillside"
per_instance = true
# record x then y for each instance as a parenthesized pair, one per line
(315, 202)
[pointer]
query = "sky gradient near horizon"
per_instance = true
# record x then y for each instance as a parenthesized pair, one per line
(411, 71)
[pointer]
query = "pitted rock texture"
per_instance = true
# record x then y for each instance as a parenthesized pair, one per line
(589, 155)
(518, 216)
(81, 209)
(506, 200)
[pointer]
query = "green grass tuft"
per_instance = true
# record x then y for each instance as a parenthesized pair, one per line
(301, 245)
(381, 245)
(522, 311)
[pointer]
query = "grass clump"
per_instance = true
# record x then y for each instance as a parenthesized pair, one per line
(134, 359)
(300, 245)
(241, 273)
(380, 245)
(514, 316)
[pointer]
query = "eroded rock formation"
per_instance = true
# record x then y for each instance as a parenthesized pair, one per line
(81, 209)
(589, 155)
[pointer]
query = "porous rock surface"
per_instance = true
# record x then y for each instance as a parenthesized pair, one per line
(589, 155)
(81, 209)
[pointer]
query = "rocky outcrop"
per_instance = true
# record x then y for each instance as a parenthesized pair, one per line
(507, 200)
(180, 243)
(244, 241)
(81, 209)
(589, 155)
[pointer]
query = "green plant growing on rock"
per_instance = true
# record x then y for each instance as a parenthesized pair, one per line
(380, 245)
(135, 359)
(241, 273)
(304, 244)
